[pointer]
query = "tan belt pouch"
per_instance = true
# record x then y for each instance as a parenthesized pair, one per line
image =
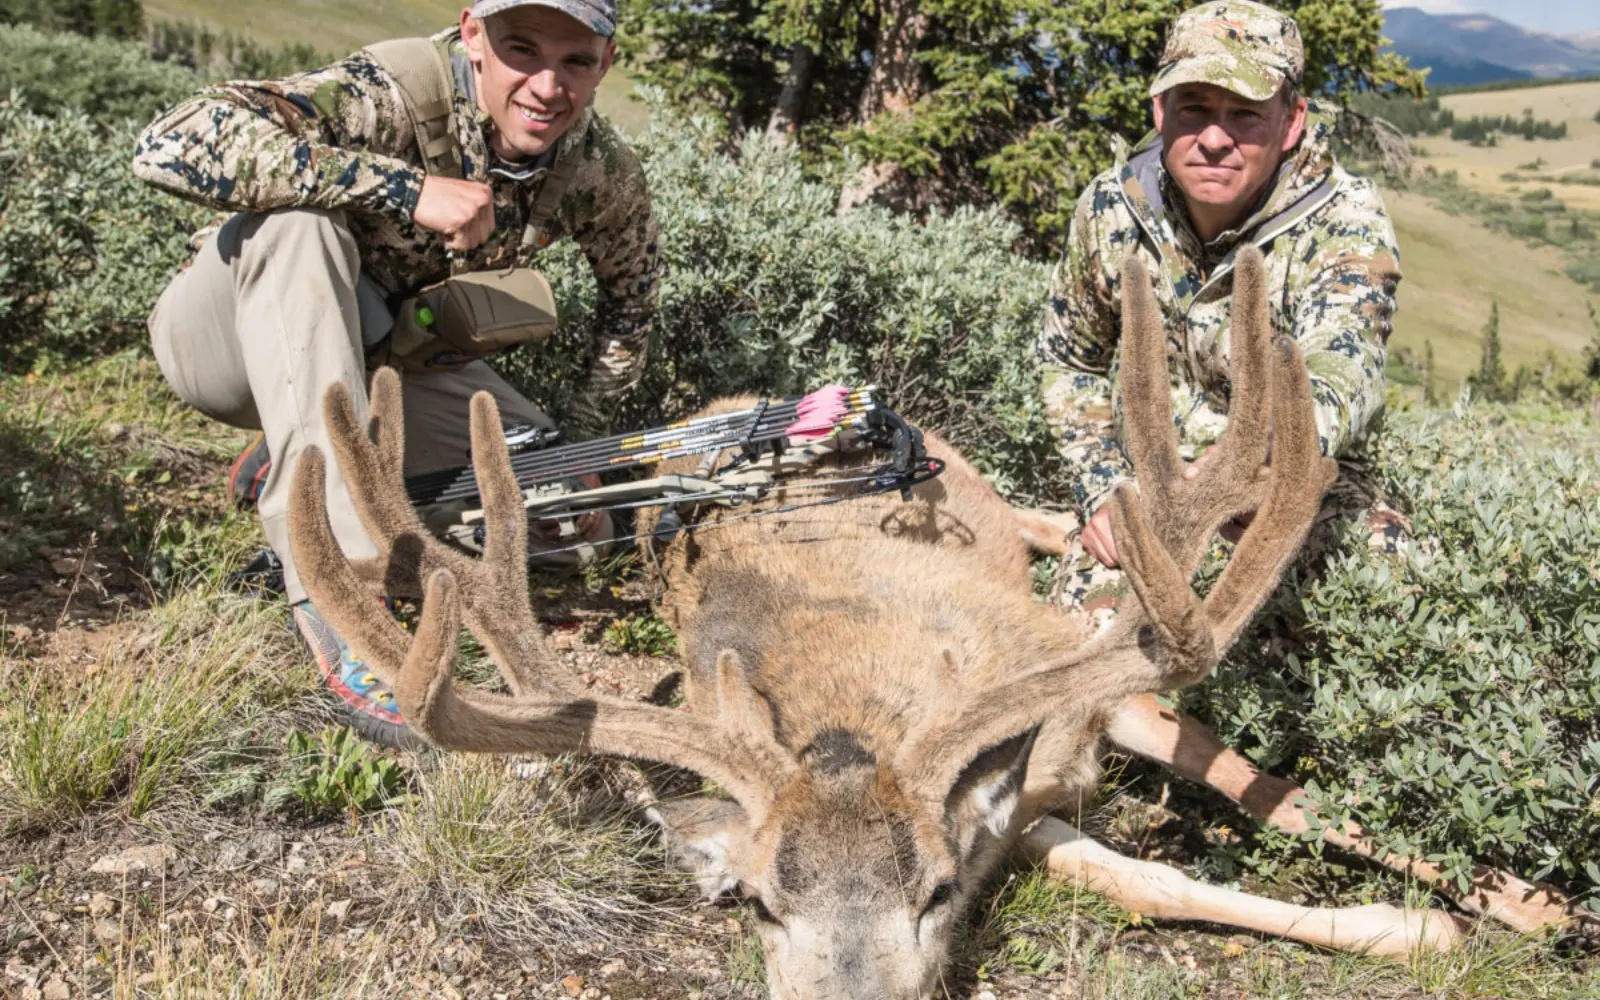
(471, 316)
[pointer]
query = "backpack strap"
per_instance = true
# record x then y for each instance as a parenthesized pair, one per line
(555, 187)
(421, 69)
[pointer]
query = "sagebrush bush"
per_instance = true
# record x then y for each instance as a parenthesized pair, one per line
(84, 247)
(768, 290)
(1448, 700)
(108, 80)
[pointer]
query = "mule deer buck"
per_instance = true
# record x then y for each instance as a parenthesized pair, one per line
(872, 686)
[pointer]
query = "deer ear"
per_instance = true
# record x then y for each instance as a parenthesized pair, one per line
(706, 838)
(985, 796)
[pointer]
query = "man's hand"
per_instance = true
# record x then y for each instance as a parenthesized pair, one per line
(1097, 537)
(587, 524)
(462, 211)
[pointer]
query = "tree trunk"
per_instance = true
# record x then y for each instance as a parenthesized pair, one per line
(785, 120)
(893, 87)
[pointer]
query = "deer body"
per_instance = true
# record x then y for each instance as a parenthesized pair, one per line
(871, 684)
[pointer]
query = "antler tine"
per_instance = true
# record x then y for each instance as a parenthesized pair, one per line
(372, 460)
(1299, 476)
(339, 595)
(749, 767)
(497, 607)
(1146, 391)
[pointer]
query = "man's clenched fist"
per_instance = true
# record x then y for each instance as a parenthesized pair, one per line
(462, 211)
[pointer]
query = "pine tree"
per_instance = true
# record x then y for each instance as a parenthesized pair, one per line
(1429, 395)
(1591, 354)
(1489, 382)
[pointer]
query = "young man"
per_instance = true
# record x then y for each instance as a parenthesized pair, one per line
(1238, 158)
(353, 191)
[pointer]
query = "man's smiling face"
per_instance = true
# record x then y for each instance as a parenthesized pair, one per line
(536, 70)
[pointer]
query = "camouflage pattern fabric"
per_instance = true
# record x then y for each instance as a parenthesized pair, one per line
(599, 15)
(1332, 265)
(340, 138)
(1244, 47)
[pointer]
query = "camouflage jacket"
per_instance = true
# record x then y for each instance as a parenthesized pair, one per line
(1333, 267)
(340, 138)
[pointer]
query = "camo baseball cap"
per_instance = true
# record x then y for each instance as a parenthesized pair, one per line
(599, 15)
(1244, 47)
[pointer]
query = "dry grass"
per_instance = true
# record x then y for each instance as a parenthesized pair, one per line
(540, 853)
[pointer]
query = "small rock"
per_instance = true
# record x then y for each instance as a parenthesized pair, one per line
(64, 567)
(151, 857)
(49, 917)
(265, 889)
(1234, 947)
(107, 931)
(613, 968)
(211, 903)
(573, 985)
(116, 430)
(54, 590)
(339, 909)
(986, 995)
(101, 905)
(296, 865)
(233, 854)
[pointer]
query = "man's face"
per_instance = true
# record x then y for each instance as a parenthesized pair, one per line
(1223, 149)
(537, 69)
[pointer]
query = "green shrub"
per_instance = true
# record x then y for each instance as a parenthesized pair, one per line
(767, 289)
(336, 771)
(105, 79)
(1448, 700)
(645, 635)
(84, 247)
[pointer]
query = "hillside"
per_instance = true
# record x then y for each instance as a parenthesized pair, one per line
(1568, 163)
(335, 27)
(1474, 48)
(1455, 269)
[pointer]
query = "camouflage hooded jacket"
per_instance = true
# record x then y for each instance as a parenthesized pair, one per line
(340, 138)
(1332, 268)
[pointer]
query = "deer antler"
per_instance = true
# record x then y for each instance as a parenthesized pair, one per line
(1172, 638)
(736, 748)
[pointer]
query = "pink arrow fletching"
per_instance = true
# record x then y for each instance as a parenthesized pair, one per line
(819, 414)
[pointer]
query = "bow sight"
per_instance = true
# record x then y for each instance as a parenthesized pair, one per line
(773, 447)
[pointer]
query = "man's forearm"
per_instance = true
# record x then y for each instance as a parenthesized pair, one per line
(1078, 407)
(285, 144)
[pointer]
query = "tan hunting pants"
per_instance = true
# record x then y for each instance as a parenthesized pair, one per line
(270, 313)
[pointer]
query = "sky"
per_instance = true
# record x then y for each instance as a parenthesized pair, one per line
(1558, 16)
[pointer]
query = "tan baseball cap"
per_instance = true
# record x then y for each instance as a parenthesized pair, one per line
(1244, 47)
(599, 15)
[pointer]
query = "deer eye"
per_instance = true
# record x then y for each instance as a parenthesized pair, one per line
(942, 893)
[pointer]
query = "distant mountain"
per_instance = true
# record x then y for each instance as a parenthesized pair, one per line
(1476, 48)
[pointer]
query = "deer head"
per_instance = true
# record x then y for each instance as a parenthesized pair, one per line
(857, 848)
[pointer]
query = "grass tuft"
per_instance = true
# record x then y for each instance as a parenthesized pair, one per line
(548, 859)
(151, 712)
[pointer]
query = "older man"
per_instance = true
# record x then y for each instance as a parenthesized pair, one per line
(1238, 158)
(383, 210)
